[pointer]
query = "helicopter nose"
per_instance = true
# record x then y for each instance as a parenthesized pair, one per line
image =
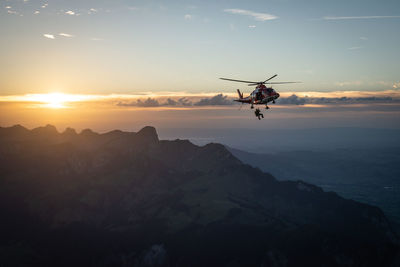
(277, 95)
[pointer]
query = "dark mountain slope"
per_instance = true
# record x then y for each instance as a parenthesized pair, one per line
(128, 199)
(368, 175)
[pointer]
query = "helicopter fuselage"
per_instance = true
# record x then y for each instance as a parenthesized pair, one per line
(262, 95)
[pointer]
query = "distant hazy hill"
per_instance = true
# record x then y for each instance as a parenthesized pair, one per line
(129, 199)
(270, 139)
(369, 175)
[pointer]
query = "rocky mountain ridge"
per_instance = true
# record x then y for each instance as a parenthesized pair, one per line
(124, 198)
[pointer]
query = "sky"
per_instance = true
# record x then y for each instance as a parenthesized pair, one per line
(126, 47)
(123, 64)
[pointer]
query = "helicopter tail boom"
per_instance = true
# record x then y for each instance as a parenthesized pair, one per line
(240, 94)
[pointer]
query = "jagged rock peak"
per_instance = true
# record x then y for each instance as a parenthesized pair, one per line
(18, 127)
(148, 133)
(69, 132)
(16, 130)
(88, 133)
(48, 129)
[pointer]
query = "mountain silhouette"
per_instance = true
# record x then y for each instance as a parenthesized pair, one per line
(130, 199)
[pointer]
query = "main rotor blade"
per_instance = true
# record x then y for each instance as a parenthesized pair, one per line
(271, 78)
(281, 82)
(232, 80)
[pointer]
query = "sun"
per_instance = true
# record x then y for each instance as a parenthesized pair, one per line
(54, 100)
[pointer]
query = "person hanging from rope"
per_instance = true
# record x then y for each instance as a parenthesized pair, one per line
(258, 113)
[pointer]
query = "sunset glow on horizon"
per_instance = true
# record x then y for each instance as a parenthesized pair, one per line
(123, 63)
(59, 99)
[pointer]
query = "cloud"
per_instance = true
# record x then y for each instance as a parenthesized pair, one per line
(188, 17)
(149, 102)
(384, 83)
(36, 12)
(257, 16)
(152, 102)
(45, 5)
(70, 12)
(183, 101)
(358, 17)
(363, 38)
(354, 47)
(92, 11)
(292, 100)
(252, 26)
(349, 83)
(297, 100)
(396, 85)
(326, 98)
(171, 102)
(218, 100)
(49, 36)
(66, 35)
(10, 11)
(339, 98)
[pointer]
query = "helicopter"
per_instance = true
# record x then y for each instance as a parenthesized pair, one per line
(262, 95)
